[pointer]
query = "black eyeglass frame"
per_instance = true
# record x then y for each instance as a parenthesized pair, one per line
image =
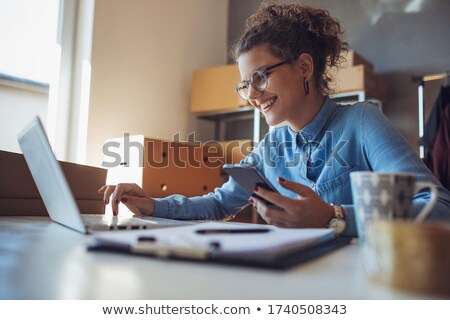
(265, 73)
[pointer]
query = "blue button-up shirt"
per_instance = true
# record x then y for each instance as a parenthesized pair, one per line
(339, 140)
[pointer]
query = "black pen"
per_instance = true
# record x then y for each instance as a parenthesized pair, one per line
(231, 231)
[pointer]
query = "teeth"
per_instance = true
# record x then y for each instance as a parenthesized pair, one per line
(268, 103)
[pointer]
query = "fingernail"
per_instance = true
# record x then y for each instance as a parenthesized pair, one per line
(123, 200)
(255, 188)
(254, 207)
(250, 200)
(281, 179)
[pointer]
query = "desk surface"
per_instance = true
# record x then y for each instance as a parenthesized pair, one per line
(43, 260)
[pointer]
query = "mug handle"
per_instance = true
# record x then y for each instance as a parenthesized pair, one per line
(434, 195)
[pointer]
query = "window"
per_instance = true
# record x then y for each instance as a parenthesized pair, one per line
(28, 33)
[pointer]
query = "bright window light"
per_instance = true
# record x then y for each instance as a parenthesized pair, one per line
(28, 34)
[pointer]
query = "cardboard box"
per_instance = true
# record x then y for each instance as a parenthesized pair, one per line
(36, 207)
(232, 151)
(359, 78)
(163, 168)
(353, 59)
(20, 196)
(213, 90)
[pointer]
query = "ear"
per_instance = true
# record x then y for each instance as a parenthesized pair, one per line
(305, 63)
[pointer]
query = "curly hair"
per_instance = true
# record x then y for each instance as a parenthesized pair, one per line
(289, 30)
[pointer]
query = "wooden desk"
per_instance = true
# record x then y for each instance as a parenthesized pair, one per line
(43, 260)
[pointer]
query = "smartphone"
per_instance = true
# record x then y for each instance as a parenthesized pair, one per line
(248, 177)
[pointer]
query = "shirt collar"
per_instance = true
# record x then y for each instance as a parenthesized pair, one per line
(312, 129)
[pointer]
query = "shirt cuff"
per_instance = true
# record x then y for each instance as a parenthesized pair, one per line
(162, 208)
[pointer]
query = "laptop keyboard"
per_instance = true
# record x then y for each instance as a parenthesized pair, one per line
(104, 222)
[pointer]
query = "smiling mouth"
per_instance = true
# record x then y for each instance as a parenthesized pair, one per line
(265, 106)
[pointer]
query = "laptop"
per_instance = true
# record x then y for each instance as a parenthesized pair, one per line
(56, 193)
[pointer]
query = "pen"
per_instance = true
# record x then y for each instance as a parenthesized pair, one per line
(231, 231)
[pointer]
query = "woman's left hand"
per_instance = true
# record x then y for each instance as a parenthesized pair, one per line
(308, 210)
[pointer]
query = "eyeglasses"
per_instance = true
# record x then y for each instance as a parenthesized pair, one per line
(258, 80)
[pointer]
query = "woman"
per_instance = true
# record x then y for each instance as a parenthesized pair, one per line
(283, 56)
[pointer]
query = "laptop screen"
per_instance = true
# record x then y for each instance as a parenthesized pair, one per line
(49, 177)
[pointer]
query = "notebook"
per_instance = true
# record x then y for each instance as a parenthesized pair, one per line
(224, 242)
(56, 193)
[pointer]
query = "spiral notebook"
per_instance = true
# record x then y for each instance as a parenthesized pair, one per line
(224, 242)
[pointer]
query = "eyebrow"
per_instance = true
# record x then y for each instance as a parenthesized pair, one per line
(259, 68)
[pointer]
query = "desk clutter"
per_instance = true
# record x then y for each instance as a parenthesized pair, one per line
(223, 242)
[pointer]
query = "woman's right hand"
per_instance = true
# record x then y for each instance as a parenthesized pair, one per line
(131, 195)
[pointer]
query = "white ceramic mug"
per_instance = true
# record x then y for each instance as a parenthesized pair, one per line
(378, 195)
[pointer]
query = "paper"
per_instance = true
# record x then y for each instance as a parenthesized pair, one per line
(186, 241)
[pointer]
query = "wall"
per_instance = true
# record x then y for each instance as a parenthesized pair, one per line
(403, 38)
(143, 55)
(17, 107)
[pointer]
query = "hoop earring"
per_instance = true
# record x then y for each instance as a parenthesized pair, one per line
(306, 86)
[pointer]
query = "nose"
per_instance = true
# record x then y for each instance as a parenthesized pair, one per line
(253, 93)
